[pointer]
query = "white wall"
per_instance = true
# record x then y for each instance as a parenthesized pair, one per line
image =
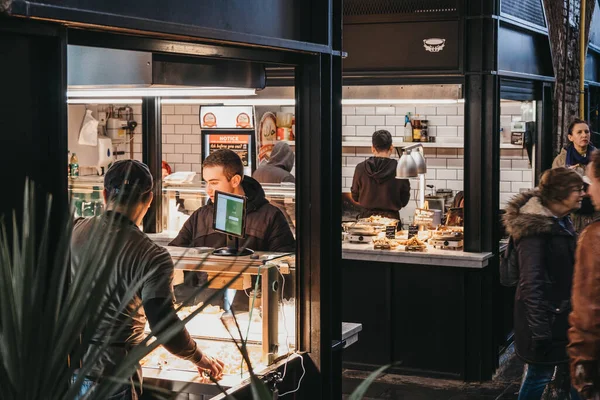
(88, 155)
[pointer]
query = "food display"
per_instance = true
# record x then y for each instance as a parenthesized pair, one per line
(213, 338)
(385, 243)
(414, 244)
(372, 230)
(227, 352)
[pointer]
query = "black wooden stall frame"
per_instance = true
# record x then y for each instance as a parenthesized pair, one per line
(318, 111)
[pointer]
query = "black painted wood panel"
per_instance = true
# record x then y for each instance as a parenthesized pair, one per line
(367, 299)
(400, 47)
(428, 318)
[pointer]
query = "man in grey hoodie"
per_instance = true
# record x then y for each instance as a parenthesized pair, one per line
(277, 169)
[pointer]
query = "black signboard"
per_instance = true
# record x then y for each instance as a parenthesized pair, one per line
(266, 19)
(413, 230)
(402, 46)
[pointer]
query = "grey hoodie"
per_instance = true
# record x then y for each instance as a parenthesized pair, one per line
(277, 169)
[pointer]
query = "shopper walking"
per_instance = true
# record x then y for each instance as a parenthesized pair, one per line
(584, 334)
(576, 156)
(545, 241)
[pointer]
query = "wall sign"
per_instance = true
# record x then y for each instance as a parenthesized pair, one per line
(237, 143)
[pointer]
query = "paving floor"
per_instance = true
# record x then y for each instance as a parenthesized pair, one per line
(504, 386)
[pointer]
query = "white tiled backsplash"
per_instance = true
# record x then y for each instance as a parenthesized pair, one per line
(182, 141)
(181, 138)
(445, 166)
(88, 155)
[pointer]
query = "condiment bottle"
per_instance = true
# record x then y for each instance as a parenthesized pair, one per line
(424, 131)
(408, 129)
(416, 123)
(74, 166)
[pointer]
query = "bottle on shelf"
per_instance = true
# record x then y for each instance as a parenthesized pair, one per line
(408, 129)
(424, 131)
(74, 164)
(416, 123)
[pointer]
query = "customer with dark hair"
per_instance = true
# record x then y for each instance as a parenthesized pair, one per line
(545, 241)
(584, 334)
(136, 260)
(375, 186)
(576, 155)
(266, 226)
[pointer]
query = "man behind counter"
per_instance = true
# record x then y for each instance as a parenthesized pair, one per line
(128, 194)
(266, 226)
(375, 186)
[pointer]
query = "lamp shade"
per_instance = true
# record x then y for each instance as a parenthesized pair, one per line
(420, 161)
(407, 167)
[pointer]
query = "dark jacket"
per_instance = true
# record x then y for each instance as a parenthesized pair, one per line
(376, 188)
(546, 254)
(277, 169)
(266, 227)
(584, 334)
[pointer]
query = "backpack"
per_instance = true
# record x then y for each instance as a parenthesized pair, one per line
(509, 265)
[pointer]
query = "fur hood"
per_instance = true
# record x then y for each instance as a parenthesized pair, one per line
(526, 216)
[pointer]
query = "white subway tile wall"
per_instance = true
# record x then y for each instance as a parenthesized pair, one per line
(516, 173)
(181, 138)
(182, 147)
(445, 166)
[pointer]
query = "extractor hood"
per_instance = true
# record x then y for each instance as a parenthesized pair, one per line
(100, 68)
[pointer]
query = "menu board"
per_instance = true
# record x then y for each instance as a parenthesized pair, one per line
(424, 217)
(234, 142)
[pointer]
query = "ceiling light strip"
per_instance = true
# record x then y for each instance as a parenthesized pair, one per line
(291, 102)
(104, 101)
(160, 92)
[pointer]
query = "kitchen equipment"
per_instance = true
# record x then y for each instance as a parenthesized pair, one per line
(436, 203)
(447, 240)
(362, 239)
(517, 132)
(116, 129)
(105, 155)
(446, 244)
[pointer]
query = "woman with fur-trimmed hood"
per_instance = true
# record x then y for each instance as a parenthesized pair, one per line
(545, 240)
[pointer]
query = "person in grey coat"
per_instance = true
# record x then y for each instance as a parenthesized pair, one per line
(279, 166)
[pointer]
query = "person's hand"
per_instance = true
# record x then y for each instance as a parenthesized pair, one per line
(212, 366)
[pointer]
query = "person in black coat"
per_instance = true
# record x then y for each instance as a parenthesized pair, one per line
(545, 241)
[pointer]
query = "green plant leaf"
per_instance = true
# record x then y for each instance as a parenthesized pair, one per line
(361, 389)
(260, 391)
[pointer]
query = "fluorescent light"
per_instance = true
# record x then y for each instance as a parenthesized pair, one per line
(159, 92)
(398, 101)
(104, 101)
(233, 102)
(292, 102)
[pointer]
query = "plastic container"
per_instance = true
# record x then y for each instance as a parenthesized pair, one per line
(408, 134)
(74, 163)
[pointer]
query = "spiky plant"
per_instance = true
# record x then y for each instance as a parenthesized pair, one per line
(48, 313)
